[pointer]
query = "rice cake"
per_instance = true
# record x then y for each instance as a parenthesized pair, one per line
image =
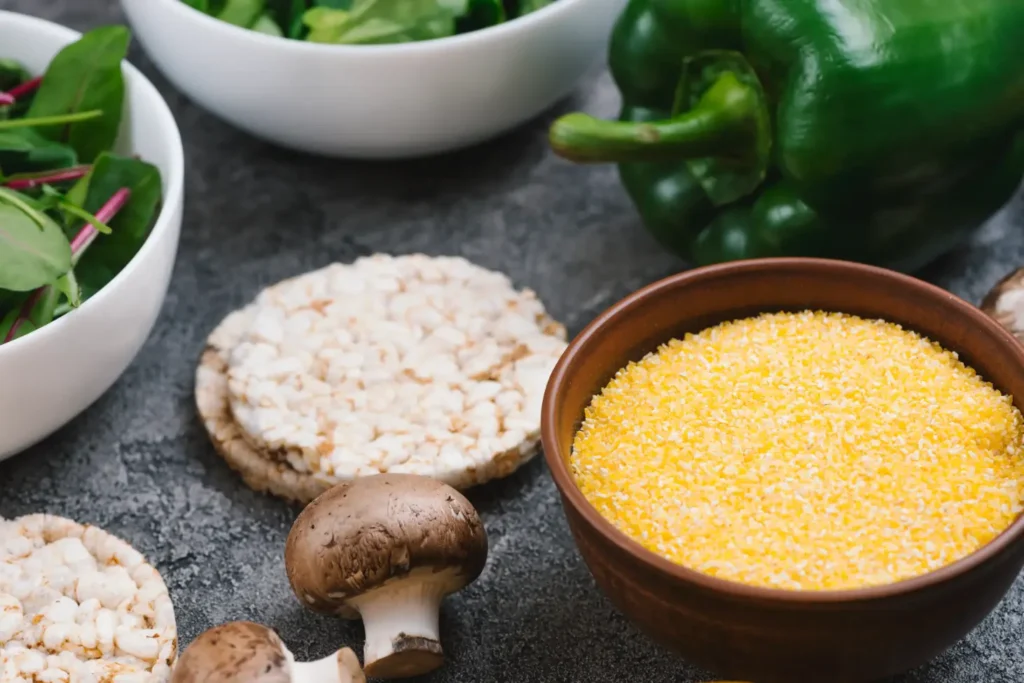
(78, 604)
(416, 364)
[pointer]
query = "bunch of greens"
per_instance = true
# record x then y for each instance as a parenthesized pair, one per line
(366, 22)
(72, 213)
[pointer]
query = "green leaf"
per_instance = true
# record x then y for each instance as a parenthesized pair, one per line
(385, 21)
(325, 25)
(132, 223)
(287, 14)
(298, 28)
(84, 76)
(68, 285)
(9, 300)
(334, 4)
(481, 14)
(12, 73)
(267, 26)
(201, 5)
(24, 150)
(242, 13)
(80, 190)
(527, 6)
(33, 248)
(25, 327)
(42, 312)
(38, 122)
(54, 200)
(92, 277)
(374, 30)
(442, 27)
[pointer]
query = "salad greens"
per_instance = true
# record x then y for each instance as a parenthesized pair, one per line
(365, 22)
(72, 213)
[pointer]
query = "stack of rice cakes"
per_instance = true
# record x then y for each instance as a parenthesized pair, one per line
(412, 364)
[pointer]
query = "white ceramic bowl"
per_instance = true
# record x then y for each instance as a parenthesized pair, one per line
(53, 374)
(376, 101)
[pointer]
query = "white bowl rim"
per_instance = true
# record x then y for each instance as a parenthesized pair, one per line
(175, 179)
(480, 36)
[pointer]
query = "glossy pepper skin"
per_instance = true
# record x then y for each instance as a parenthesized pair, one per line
(882, 131)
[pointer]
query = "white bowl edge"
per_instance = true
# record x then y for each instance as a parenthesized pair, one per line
(159, 251)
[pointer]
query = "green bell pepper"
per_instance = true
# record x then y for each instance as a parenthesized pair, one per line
(882, 131)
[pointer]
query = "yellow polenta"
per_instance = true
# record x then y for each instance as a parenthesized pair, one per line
(803, 450)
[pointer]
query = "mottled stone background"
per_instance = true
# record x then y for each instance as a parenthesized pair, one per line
(138, 463)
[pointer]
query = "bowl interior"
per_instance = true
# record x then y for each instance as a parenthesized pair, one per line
(701, 298)
(290, 46)
(147, 129)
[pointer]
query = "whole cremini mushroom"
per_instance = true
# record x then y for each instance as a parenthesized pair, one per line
(244, 652)
(1005, 302)
(387, 548)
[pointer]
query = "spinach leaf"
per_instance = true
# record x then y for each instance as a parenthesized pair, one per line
(24, 150)
(385, 21)
(481, 14)
(33, 248)
(298, 28)
(527, 6)
(42, 311)
(58, 205)
(211, 7)
(92, 277)
(40, 122)
(266, 25)
(442, 27)
(24, 327)
(325, 25)
(40, 179)
(110, 253)
(67, 285)
(9, 300)
(242, 13)
(12, 73)
(85, 75)
(287, 14)
(79, 192)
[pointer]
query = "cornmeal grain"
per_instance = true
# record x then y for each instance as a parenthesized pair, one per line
(804, 451)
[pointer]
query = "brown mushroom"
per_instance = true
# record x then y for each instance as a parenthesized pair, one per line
(387, 548)
(1005, 303)
(244, 652)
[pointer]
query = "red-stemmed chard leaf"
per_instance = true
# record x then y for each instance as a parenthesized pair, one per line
(30, 181)
(68, 283)
(131, 226)
(85, 76)
(89, 232)
(26, 88)
(33, 248)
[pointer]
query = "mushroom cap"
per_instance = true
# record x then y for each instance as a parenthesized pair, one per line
(360, 534)
(1008, 312)
(235, 652)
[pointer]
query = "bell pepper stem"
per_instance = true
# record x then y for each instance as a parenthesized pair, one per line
(723, 124)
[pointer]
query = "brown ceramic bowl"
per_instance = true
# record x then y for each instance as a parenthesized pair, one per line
(770, 635)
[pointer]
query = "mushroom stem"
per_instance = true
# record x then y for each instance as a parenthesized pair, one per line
(401, 623)
(340, 667)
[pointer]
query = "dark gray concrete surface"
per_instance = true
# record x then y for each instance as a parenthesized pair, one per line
(138, 462)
